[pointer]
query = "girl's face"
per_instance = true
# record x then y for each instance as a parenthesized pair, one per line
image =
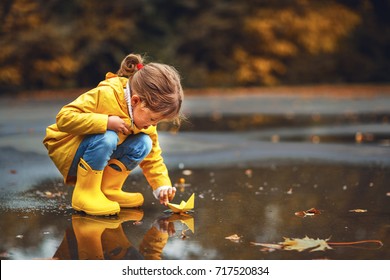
(142, 116)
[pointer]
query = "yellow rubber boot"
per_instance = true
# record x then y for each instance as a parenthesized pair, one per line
(87, 195)
(112, 183)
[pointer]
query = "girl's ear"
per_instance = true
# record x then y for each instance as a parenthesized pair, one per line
(135, 100)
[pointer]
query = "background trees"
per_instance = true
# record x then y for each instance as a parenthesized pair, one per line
(73, 43)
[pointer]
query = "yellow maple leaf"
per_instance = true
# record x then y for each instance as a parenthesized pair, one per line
(298, 244)
(306, 243)
(311, 245)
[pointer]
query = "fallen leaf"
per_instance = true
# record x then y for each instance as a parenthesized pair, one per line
(182, 181)
(305, 244)
(299, 244)
(309, 212)
(233, 238)
(358, 210)
(248, 173)
(181, 184)
(275, 138)
(312, 245)
(315, 139)
(48, 194)
(187, 172)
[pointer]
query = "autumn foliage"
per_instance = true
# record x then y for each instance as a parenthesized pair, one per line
(58, 44)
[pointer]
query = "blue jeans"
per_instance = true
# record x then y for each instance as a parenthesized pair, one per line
(98, 149)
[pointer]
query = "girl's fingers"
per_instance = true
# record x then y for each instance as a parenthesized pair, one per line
(167, 195)
(125, 130)
(171, 193)
(164, 197)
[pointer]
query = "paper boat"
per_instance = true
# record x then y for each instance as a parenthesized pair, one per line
(183, 206)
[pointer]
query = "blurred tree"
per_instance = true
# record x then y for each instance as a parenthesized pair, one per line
(73, 43)
(32, 52)
(196, 36)
(284, 38)
(366, 57)
(102, 36)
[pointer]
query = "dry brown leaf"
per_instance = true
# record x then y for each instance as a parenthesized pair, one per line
(309, 212)
(181, 184)
(181, 181)
(187, 172)
(233, 238)
(249, 173)
(48, 194)
(358, 210)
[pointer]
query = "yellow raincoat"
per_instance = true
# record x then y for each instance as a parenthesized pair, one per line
(88, 114)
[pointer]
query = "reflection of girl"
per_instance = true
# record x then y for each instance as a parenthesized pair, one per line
(101, 238)
(109, 130)
(156, 238)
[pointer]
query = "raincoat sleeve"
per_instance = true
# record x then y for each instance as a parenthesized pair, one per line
(82, 115)
(153, 166)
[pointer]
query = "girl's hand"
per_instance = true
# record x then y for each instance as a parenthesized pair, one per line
(116, 124)
(167, 195)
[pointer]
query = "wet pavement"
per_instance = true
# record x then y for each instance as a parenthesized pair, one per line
(256, 162)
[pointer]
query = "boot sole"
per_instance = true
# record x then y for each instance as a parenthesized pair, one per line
(123, 205)
(97, 213)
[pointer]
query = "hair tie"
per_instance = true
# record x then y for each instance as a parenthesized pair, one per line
(140, 66)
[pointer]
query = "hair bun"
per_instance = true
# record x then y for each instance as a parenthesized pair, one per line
(129, 65)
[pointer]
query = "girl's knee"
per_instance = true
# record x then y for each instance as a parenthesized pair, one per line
(109, 140)
(144, 144)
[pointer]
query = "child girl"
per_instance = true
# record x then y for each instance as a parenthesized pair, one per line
(108, 131)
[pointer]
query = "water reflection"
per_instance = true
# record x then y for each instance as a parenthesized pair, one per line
(99, 238)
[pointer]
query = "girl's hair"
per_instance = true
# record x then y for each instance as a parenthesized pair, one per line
(158, 86)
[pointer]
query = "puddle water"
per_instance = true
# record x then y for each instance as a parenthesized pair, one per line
(257, 203)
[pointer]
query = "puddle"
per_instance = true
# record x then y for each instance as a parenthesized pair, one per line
(251, 122)
(382, 139)
(257, 203)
